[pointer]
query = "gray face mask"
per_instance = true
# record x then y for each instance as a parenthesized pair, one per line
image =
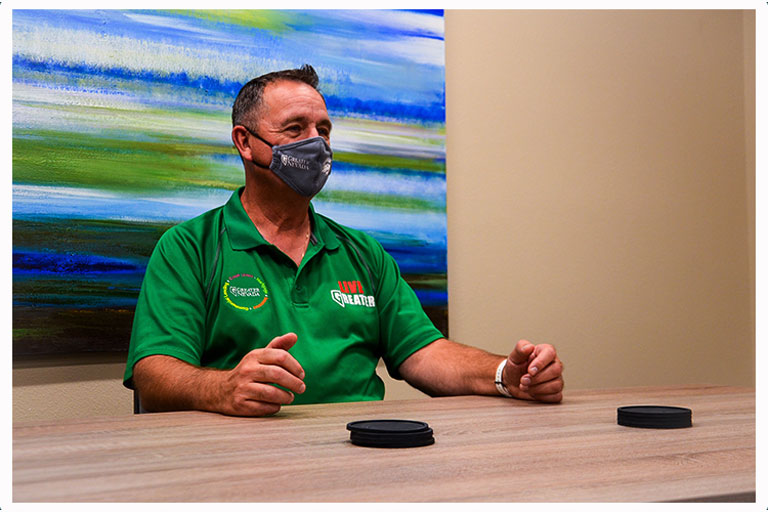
(303, 165)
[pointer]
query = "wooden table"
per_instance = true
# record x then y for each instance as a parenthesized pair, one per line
(486, 449)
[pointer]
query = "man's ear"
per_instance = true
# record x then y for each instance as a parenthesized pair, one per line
(242, 142)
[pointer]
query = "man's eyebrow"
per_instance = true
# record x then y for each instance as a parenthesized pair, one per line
(304, 119)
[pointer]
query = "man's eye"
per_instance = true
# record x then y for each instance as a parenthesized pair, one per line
(294, 129)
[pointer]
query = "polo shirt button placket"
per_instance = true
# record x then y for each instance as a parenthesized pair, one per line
(299, 294)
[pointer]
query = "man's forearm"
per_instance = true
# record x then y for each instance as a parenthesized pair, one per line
(165, 383)
(264, 380)
(448, 368)
(532, 372)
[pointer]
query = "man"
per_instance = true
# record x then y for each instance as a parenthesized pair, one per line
(263, 302)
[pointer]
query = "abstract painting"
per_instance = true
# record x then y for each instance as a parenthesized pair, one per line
(121, 123)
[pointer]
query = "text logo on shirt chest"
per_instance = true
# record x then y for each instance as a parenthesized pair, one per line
(245, 292)
(351, 293)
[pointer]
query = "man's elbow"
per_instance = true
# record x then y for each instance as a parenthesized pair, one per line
(147, 375)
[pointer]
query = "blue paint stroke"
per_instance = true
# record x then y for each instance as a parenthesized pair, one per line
(225, 91)
(60, 264)
(431, 297)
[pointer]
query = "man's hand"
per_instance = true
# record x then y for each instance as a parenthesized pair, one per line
(166, 383)
(247, 389)
(534, 372)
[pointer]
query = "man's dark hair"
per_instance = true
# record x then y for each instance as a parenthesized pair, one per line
(250, 96)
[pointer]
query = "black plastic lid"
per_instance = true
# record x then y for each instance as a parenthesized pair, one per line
(390, 433)
(654, 416)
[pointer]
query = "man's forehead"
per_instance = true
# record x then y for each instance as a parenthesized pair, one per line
(286, 96)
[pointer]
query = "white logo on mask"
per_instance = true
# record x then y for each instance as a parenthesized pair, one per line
(292, 161)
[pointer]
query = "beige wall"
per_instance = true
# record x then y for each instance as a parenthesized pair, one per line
(600, 198)
(599, 194)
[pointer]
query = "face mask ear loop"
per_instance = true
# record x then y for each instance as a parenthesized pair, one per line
(262, 139)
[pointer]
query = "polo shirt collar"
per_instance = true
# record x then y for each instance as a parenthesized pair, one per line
(323, 233)
(243, 235)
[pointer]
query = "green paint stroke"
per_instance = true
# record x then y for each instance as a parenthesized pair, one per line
(273, 21)
(390, 161)
(75, 159)
(379, 200)
(92, 236)
(427, 281)
(159, 164)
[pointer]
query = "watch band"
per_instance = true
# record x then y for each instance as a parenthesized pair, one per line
(499, 382)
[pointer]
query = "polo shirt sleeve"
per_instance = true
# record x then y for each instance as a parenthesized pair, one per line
(170, 312)
(404, 326)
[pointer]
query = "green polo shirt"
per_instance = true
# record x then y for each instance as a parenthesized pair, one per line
(214, 290)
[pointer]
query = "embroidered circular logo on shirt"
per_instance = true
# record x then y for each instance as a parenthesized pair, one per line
(245, 291)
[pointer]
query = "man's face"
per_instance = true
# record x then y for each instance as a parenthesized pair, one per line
(292, 111)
